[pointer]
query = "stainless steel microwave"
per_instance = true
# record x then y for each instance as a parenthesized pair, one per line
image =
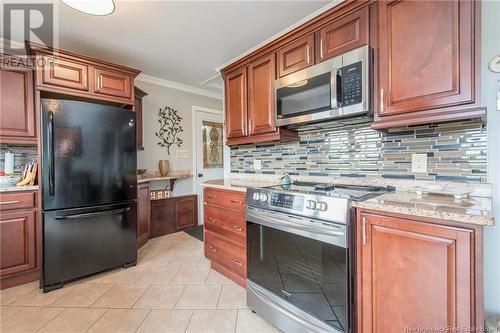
(336, 88)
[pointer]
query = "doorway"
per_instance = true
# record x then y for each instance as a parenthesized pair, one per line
(208, 150)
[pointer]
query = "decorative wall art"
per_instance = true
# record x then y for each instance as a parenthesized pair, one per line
(170, 128)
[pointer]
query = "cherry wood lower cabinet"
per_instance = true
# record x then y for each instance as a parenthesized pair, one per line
(143, 213)
(19, 239)
(225, 233)
(173, 214)
(414, 272)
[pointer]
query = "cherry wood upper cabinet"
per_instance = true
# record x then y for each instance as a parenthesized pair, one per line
(427, 55)
(261, 76)
(295, 56)
(17, 122)
(138, 96)
(432, 271)
(112, 83)
(236, 103)
(342, 35)
(65, 73)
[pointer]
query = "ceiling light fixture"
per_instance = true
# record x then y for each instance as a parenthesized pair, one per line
(92, 7)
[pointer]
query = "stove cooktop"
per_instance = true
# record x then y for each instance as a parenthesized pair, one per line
(347, 191)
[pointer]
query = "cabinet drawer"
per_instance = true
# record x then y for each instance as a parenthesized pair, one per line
(229, 256)
(227, 199)
(64, 73)
(228, 224)
(112, 83)
(17, 242)
(17, 200)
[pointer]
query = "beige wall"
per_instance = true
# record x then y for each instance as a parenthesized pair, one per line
(160, 96)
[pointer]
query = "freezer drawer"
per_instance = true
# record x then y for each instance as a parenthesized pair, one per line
(84, 241)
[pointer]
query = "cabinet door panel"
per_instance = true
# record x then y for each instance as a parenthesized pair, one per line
(112, 83)
(17, 243)
(236, 103)
(295, 56)
(426, 73)
(17, 104)
(143, 212)
(186, 210)
(343, 34)
(261, 100)
(403, 260)
(64, 73)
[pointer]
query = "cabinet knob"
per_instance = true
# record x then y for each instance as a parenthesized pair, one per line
(237, 262)
(200, 175)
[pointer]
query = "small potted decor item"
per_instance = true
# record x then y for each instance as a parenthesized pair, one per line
(285, 179)
(163, 166)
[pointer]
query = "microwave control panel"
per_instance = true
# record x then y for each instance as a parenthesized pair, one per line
(352, 82)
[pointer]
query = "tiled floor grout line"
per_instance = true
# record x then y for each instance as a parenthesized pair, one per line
(144, 319)
(96, 319)
(113, 285)
(183, 289)
(138, 298)
(189, 321)
(48, 321)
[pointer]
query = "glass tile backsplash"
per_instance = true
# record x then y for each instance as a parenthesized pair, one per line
(456, 152)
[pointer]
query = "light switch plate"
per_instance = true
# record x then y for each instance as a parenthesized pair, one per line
(181, 153)
(419, 163)
(257, 164)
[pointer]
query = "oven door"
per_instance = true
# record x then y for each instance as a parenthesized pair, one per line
(308, 95)
(297, 272)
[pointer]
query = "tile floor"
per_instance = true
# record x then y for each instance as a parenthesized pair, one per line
(172, 289)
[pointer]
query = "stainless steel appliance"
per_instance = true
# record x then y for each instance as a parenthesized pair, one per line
(299, 252)
(338, 87)
(89, 163)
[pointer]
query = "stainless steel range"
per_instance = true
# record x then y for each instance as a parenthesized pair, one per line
(299, 254)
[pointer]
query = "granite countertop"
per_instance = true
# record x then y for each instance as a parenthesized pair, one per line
(18, 188)
(473, 210)
(151, 177)
(235, 184)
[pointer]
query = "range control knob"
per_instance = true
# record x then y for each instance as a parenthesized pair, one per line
(256, 196)
(322, 206)
(264, 197)
(311, 204)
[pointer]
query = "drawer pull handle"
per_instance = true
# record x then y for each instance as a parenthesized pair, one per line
(211, 248)
(237, 202)
(237, 228)
(237, 262)
(211, 219)
(211, 197)
(9, 202)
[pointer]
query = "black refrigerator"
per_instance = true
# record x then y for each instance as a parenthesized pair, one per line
(89, 186)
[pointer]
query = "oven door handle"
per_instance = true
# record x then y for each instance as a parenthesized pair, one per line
(284, 224)
(301, 321)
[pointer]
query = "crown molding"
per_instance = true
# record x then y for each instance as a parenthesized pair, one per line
(281, 33)
(177, 86)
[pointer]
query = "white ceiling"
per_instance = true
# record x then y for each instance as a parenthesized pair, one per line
(180, 41)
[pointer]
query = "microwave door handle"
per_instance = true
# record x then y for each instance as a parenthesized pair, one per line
(339, 94)
(333, 89)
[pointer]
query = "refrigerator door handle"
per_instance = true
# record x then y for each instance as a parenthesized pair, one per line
(87, 215)
(50, 134)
